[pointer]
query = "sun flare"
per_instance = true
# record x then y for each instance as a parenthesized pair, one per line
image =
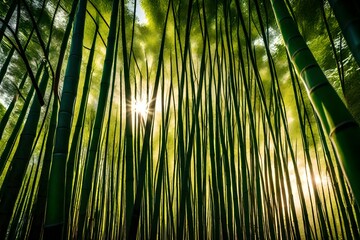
(140, 107)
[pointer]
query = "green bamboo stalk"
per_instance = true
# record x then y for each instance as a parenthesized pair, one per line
(15, 131)
(106, 181)
(222, 129)
(95, 201)
(7, 18)
(37, 225)
(79, 173)
(347, 216)
(99, 119)
(9, 110)
(55, 202)
(113, 187)
(63, 46)
(28, 199)
(129, 189)
(337, 122)
(183, 159)
(218, 155)
(16, 227)
(5, 65)
(162, 157)
(16, 171)
(5, 118)
(119, 181)
(76, 136)
(199, 166)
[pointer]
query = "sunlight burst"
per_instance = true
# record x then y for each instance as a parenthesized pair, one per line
(140, 107)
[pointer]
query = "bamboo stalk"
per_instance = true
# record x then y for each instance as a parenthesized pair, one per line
(337, 122)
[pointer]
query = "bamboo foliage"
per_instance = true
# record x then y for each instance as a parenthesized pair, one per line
(193, 125)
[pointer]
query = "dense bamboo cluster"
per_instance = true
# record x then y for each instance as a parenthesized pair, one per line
(226, 144)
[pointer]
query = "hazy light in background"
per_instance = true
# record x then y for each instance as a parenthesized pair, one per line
(140, 13)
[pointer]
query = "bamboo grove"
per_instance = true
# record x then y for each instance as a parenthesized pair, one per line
(199, 124)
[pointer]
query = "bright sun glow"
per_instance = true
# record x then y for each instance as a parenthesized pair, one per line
(140, 107)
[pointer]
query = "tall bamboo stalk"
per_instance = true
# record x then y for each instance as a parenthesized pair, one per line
(20, 161)
(99, 119)
(336, 120)
(55, 202)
